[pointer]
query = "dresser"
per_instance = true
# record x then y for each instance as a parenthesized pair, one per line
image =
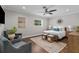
(73, 42)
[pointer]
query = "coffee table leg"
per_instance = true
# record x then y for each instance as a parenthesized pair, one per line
(44, 37)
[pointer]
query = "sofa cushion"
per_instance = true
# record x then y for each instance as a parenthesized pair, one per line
(15, 41)
(18, 44)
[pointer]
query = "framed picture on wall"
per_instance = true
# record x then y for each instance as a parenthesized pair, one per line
(21, 22)
(60, 21)
(38, 22)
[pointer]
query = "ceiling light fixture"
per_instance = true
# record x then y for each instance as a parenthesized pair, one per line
(67, 10)
(24, 7)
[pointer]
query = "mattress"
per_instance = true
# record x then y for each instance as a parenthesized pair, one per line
(60, 34)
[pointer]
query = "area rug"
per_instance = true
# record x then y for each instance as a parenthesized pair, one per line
(53, 47)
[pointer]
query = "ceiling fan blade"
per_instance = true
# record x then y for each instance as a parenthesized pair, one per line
(50, 13)
(52, 10)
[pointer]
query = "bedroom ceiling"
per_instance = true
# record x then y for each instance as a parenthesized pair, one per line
(38, 9)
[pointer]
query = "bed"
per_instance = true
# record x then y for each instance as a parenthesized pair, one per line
(57, 31)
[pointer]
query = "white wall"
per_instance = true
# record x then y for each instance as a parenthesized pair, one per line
(1, 28)
(11, 19)
(72, 20)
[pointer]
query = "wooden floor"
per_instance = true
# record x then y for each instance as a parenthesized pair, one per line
(37, 49)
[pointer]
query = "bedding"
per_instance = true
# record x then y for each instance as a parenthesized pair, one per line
(60, 34)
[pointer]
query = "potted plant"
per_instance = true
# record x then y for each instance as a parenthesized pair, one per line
(77, 29)
(11, 33)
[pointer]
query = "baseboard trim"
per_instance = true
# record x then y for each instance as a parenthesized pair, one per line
(32, 36)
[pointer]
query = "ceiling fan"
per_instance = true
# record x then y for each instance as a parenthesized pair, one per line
(47, 11)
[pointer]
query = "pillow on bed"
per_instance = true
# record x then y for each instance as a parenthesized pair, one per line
(61, 28)
(56, 29)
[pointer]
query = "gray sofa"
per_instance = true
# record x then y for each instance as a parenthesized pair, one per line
(20, 47)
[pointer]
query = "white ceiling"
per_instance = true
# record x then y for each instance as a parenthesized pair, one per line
(37, 9)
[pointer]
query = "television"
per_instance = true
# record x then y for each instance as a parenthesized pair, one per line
(2, 16)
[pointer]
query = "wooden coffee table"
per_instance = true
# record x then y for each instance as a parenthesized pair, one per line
(50, 38)
(44, 36)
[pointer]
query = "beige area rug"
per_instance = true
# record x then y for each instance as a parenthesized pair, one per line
(54, 47)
